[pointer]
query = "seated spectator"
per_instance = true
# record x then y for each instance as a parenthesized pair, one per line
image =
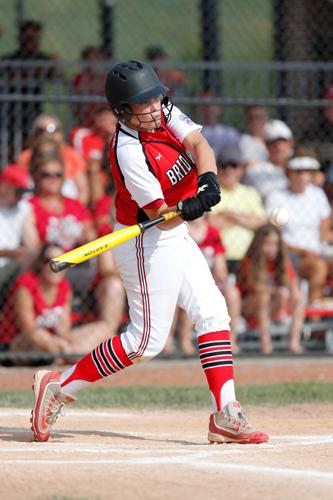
(309, 222)
(89, 81)
(93, 144)
(37, 315)
(252, 142)
(49, 127)
(218, 135)
(68, 223)
(267, 176)
(240, 211)
(270, 288)
(19, 240)
(173, 78)
(209, 241)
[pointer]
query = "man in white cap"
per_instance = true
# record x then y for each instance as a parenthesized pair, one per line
(267, 176)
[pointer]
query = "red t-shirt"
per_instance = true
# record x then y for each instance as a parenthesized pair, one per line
(87, 143)
(148, 167)
(271, 270)
(211, 245)
(66, 228)
(46, 315)
(102, 215)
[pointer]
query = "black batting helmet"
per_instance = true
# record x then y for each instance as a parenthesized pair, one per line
(131, 82)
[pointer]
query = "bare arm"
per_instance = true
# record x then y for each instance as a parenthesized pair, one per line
(24, 311)
(203, 154)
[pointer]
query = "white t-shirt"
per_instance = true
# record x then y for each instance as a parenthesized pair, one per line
(265, 177)
(306, 211)
(252, 148)
(11, 223)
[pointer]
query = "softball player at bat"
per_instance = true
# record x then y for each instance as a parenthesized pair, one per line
(160, 162)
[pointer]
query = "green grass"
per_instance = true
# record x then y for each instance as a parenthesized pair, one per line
(173, 397)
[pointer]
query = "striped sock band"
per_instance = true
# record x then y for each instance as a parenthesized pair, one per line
(216, 360)
(107, 358)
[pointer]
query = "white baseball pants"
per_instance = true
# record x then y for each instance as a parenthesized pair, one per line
(161, 269)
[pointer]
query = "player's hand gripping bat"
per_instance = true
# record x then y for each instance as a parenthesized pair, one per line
(95, 247)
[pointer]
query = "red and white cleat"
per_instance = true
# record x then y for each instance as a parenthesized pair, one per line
(49, 402)
(231, 426)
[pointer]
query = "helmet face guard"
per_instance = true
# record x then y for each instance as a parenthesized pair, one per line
(132, 82)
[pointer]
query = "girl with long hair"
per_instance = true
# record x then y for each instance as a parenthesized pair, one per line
(270, 288)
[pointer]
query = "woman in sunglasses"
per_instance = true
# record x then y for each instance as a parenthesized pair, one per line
(48, 127)
(67, 222)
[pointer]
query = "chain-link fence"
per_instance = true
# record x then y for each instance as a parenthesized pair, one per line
(218, 57)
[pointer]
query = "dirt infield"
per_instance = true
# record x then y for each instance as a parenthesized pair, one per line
(158, 455)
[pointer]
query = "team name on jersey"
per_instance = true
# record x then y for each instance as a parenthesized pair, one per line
(179, 170)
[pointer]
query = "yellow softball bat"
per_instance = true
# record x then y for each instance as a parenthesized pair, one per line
(95, 247)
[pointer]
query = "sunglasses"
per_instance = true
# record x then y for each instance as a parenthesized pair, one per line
(51, 175)
(50, 129)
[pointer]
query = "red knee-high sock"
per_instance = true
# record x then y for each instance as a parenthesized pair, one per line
(107, 358)
(216, 360)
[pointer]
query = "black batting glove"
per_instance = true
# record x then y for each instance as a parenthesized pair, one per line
(191, 208)
(209, 192)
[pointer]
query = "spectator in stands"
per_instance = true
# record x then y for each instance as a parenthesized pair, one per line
(218, 135)
(270, 288)
(37, 315)
(19, 241)
(173, 78)
(93, 144)
(68, 223)
(209, 240)
(240, 211)
(267, 176)
(27, 79)
(89, 81)
(48, 127)
(252, 142)
(309, 222)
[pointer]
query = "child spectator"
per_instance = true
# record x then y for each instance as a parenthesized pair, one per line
(308, 225)
(270, 288)
(49, 127)
(240, 211)
(37, 316)
(93, 145)
(19, 240)
(209, 241)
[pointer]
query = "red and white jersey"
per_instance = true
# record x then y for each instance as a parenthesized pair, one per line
(152, 166)
(66, 228)
(47, 316)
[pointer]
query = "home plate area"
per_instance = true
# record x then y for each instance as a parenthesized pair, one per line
(165, 454)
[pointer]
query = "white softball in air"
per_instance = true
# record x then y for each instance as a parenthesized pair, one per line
(279, 216)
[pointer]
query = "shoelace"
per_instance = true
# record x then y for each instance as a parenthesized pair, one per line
(240, 421)
(55, 407)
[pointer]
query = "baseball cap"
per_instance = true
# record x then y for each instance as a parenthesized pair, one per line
(15, 176)
(230, 156)
(276, 129)
(300, 163)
